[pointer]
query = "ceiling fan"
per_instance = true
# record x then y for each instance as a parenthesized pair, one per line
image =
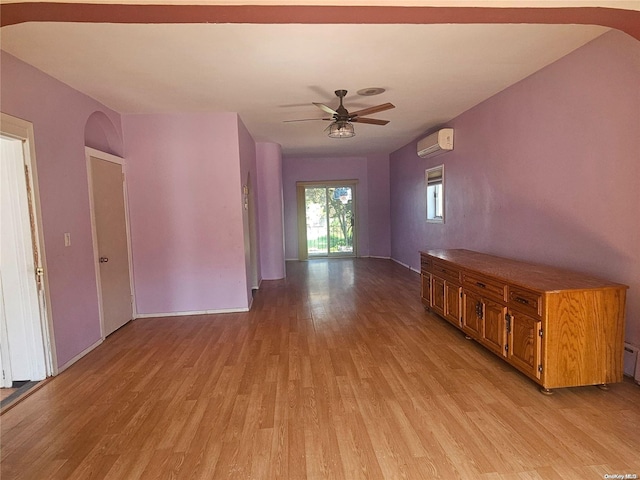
(342, 126)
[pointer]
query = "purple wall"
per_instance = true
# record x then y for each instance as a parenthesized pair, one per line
(59, 115)
(545, 171)
(371, 172)
(185, 204)
(379, 206)
(271, 215)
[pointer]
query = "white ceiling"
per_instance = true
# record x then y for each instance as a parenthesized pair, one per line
(272, 73)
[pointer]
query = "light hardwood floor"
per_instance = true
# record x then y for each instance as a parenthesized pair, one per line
(337, 372)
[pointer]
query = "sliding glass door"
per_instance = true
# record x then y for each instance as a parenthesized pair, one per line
(328, 219)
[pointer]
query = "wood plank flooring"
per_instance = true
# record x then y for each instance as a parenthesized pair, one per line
(336, 373)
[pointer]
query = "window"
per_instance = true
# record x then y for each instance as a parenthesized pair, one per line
(435, 194)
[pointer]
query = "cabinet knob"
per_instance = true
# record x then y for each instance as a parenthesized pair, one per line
(104, 259)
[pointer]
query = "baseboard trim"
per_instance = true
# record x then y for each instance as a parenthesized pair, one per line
(79, 356)
(381, 258)
(405, 265)
(191, 313)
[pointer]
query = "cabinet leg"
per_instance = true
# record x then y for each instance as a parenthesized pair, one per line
(604, 387)
(546, 391)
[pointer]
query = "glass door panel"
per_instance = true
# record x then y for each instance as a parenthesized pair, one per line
(340, 206)
(316, 218)
(329, 220)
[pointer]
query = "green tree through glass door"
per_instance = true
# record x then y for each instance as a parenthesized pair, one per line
(329, 220)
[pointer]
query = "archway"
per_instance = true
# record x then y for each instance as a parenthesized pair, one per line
(100, 134)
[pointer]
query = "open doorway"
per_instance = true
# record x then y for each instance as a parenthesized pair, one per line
(26, 352)
(326, 219)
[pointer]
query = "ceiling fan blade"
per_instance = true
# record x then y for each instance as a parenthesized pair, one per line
(372, 121)
(322, 106)
(370, 110)
(306, 120)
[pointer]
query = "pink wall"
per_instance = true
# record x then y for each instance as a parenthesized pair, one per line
(269, 169)
(545, 171)
(369, 171)
(185, 203)
(59, 115)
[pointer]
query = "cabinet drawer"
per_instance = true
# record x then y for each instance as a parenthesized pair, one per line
(445, 271)
(485, 286)
(526, 301)
(425, 265)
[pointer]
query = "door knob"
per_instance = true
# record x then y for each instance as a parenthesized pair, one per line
(104, 259)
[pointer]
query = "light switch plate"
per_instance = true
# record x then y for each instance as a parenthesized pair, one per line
(67, 239)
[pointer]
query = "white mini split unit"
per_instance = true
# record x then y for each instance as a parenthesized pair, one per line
(437, 143)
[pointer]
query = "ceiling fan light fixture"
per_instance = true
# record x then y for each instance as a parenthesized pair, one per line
(341, 129)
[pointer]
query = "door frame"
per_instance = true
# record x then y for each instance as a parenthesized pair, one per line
(22, 130)
(93, 153)
(303, 253)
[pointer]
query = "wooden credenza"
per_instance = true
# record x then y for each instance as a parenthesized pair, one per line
(560, 328)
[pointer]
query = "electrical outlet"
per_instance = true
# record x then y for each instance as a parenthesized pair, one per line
(67, 239)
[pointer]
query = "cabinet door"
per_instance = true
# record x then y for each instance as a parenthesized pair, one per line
(426, 290)
(495, 330)
(452, 297)
(437, 295)
(525, 344)
(472, 315)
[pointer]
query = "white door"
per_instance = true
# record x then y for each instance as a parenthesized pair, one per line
(5, 362)
(23, 342)
(111, 240)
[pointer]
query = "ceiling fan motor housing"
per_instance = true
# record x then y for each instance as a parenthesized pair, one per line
(342, 112)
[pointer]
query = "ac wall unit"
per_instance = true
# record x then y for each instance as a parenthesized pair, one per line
(436, 143)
